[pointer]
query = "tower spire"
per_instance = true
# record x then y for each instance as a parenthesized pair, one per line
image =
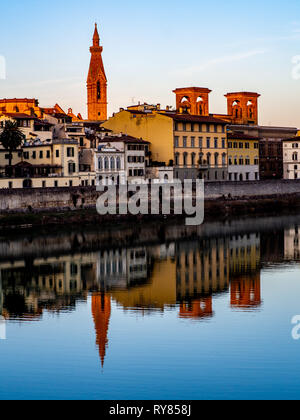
(96, 38)
(97, 82)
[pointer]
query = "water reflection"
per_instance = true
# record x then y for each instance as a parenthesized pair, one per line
(184, 271)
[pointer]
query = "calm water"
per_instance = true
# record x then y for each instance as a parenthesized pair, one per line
(152, 313)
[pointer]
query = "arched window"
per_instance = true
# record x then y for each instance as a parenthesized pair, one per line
(98, 90)
(118, 163)
(208, 158)
(177, 159)
(295, 156)
(216, 159)
(201, 159)
(224, 159)
(100, 165)
(193, 159)
(185, 156)
(112, 164)
(106, 164)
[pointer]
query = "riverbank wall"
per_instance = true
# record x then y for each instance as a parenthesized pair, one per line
(78, 204)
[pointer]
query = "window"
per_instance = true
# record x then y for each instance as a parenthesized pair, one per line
(256, 145)
(48, 154)
(256, 161)
(208, 142)
(55, 183)
(241, 161)
(118, 163)
(193, 159)
(216, 159)
(295, 156)
(185, 155)
(247, 145)
(112, 164)
(230, 145)
(177, 157)
(200, 142)
(216, 142)
(26, 155)
(176, 141)
(57, 153)
(224, 159)
(230, 160)
(247, 161)
(10, 185)
(241, 145)
(44, 184)
(71, 183)
(184, 141)
(223, 143)
(72, 168)
(98, 90)
(106, 164)
(100, 164)
(193, 142)
(70, 152)
(184, 127)
(33, 155)
(208, 128)
(41, 154)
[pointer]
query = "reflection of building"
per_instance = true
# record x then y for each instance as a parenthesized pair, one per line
(198, 308)
(119, 269)
(101, 310)
(202, 268)
(245, 291)
(292, 243)
(245, 271)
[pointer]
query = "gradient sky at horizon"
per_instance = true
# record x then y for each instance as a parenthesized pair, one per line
(151, 48)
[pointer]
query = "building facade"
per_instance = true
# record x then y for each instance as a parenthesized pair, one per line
(121, 159)
(243, 157)
(291, 158)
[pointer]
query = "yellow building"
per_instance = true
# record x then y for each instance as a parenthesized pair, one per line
(195, 145)
(243, 157)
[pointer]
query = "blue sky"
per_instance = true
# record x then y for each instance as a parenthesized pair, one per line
(151, 48)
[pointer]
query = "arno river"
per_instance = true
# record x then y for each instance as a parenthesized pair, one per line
(152, 312)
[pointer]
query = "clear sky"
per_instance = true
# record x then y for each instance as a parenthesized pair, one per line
(153, 47)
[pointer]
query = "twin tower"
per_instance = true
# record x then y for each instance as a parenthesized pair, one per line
(242, 106)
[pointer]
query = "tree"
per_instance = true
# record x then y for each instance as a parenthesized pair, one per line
(11, 138)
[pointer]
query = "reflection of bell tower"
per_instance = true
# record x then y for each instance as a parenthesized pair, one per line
(243, 107)
(245, 292)
(101, 310)
(194, 101)
(97, 83)
(199, 308)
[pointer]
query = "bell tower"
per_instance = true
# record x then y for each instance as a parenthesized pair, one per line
(97, 83)
(243, 107)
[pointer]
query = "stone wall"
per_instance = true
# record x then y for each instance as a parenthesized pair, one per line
(28, 200)
(59, 199)
(251, 189)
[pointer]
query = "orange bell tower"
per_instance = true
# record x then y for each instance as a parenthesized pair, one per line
(97, 83)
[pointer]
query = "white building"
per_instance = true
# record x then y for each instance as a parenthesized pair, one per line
(291, 158)
(120, 159)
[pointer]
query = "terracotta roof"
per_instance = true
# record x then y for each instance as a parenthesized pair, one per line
(241, 136)
(195, 118)
(123, 139)
(19, 116)
(296, 138)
